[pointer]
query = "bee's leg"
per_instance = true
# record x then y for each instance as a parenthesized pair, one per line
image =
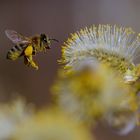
(29, 50)
(28, 60)
(34, 51)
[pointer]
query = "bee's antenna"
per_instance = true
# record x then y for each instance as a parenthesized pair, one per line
(54, 39)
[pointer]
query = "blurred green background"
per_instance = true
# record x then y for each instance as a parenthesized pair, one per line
(57, 18)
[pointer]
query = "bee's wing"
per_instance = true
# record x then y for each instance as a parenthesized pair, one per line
(16, 38)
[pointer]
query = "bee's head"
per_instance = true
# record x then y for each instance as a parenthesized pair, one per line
(46, 41)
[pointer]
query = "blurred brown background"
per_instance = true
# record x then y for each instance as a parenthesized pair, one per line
(57, 18)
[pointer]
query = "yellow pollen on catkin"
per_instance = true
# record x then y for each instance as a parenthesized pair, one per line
(114, 46)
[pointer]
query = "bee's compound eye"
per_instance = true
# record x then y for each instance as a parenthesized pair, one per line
(45, 40)
(43, 37)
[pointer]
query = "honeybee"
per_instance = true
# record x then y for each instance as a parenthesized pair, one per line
(27, 46)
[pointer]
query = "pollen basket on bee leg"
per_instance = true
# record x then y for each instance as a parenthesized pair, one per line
(29, 50)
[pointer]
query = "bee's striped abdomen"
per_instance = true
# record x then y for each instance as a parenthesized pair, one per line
(16, 52)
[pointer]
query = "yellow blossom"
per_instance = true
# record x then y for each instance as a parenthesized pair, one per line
(51, 125)
(117, 47)
(11, 115)
(90, 93)
(122, 121)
